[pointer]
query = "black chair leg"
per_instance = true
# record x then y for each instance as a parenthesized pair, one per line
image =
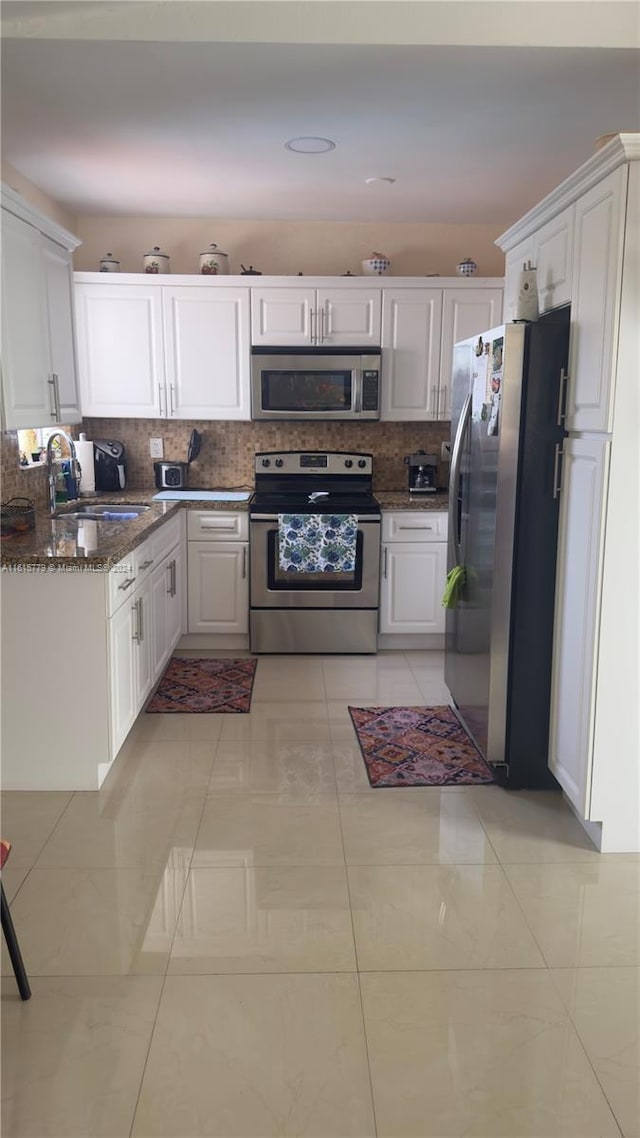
(14, 949)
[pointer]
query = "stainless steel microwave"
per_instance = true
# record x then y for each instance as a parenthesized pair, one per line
(315, 383)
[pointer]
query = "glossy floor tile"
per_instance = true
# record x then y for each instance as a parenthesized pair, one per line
(238, 936)
(257, 1056)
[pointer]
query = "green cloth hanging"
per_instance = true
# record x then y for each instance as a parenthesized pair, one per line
(456, 580)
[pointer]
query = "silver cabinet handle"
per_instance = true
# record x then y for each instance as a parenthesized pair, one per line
(313, 320)
(323, 320)
(135, 635)
(415, 527)
(172, 409)
(146, 564)
(127, 584)
(385, 562)
(174, 587)
(434, 401)
(244, 561)
(562, 396)
(56, 413)
(557, 470)
(160, 400)
(443, 389)
(141, 620)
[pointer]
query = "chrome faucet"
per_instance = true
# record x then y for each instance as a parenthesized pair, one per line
(74, 467)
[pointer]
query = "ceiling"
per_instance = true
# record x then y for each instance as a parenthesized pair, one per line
(112, 125)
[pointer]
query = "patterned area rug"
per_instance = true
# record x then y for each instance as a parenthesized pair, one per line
(204, 686)
(417, 746)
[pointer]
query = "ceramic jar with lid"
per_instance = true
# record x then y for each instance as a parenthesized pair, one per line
(108, 264)
(376, 265)
(466, 268)
(155, 261)
(213, 262)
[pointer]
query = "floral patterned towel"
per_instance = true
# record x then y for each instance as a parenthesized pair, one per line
(317, 543)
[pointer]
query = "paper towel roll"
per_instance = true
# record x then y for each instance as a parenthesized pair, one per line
(88, 536)
(84, 454)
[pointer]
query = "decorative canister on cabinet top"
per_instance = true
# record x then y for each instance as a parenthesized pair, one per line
(213, 262)
(155, 261)
(108, 264)
(466, 268)
(376, 265)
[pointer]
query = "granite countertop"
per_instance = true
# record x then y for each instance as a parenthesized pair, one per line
(403, 500)
(54, 542)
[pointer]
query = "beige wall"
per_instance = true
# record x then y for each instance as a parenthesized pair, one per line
(38, 198)
(287, 247)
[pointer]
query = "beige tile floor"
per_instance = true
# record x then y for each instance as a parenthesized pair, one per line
(238, 937)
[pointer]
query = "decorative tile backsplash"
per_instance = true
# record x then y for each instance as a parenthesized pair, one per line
(228, 448)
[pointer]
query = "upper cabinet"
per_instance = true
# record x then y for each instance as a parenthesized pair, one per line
(39, 377)
(419, 329)
(154, 350)
(323, 317)
(551, 251)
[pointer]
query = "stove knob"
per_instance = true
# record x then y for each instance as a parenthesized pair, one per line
(348, 462)
(279, 462)
(266, 462)
(362, 462)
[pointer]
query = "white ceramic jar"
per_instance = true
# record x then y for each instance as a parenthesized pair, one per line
(155, 261)
(466, 268)
(213, 262)
(108, 264)
(376, 265)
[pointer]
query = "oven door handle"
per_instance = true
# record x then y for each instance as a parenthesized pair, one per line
(361, 519)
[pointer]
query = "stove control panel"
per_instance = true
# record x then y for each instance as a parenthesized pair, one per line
(315, 462)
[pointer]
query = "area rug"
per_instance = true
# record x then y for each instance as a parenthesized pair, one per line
(201, 686)
(417, 746)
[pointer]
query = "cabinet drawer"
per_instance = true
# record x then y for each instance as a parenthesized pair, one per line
(414, 525)
(165, 537)
(143, 560)
(121, 582)
(213, 525)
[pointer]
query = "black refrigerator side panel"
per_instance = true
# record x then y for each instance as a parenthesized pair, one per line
(535, 548)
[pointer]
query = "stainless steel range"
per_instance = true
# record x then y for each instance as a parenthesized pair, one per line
(295, 605)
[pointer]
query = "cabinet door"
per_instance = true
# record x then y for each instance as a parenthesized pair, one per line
(465, 312)
(120, 350)
(144, 642)
(58, 276)
(597, 273)
(123, 706)
(514, 263)
(218, 586)
(28, 396)
(207, 352)
(159, 587)
(348, 317)
(411, 323)
(413, 580)
(553, 259)
(282, 316)
(575, 637)
(175, 595)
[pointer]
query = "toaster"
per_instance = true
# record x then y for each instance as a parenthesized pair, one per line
(171, 475)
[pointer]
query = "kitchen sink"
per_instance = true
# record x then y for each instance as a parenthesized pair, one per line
(103, 512)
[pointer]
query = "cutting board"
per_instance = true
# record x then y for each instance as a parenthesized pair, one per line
(202, 496)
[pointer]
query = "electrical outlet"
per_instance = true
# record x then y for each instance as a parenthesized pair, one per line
(156, 448)
(445, 452)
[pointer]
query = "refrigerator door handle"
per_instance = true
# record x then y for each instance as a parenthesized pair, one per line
(454, 482)
(562, 397)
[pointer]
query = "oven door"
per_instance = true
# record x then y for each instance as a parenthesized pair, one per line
(272, 587)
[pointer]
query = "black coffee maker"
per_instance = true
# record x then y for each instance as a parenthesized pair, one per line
(109, 464)
(423, 471)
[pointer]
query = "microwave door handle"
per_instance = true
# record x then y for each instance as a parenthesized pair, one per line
(357, 391)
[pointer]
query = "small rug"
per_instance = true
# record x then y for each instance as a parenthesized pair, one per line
(202, 686)
(417, 746)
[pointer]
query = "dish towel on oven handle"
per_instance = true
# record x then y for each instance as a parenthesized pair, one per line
(317, 543)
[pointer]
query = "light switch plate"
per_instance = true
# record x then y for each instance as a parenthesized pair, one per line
(156, 448)
(445, 452)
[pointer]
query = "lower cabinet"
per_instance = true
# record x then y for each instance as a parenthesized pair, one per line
(218, 572)
(413, 573)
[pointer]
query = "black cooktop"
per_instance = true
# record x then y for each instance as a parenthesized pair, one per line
(291, 502)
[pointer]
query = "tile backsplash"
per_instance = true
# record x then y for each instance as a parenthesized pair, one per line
(228, 448)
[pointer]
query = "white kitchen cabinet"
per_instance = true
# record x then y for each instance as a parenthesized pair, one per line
(149, 350)
(514, 263)
(39, 375)
(123, 706)
(413, 574)
(584, 482)
(175, 596)
(595, 302)
(419, 329)
(465, 313)
(411, 330)
(167, 584)
(553, 259)
(218, 572)
(333, 317)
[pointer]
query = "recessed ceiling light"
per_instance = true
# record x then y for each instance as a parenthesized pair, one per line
(376, 181)
(310, 145)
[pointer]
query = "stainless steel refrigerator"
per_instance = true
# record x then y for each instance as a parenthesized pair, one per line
(508, 388)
